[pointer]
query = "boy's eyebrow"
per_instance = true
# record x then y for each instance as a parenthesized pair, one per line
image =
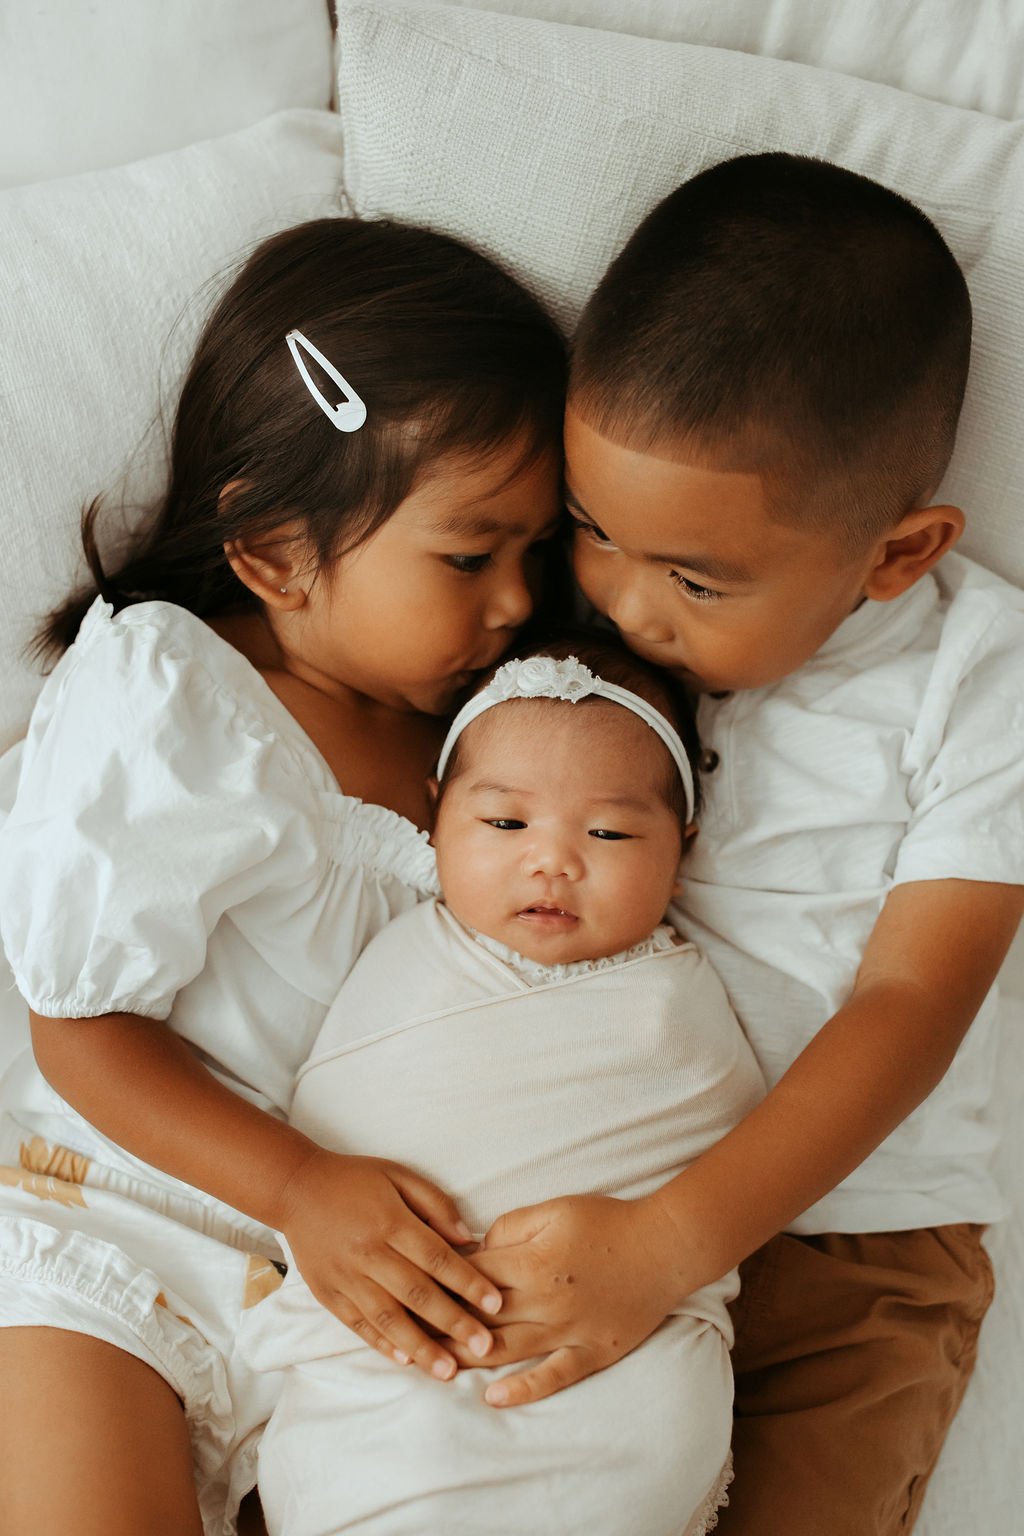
(705, 565)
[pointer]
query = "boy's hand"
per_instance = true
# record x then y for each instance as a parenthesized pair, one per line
(371, 1240)
(586, 1279)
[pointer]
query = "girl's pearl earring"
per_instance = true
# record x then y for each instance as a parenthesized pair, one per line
(284, 589)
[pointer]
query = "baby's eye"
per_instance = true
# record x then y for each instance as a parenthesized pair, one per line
(468, 564)
(611, 837)
(694, 589)
(506, 824)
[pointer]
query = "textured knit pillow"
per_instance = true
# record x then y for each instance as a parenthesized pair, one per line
(967, 55)
(104, 279)
(547, 144)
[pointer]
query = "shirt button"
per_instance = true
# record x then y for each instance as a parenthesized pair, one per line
(709, 760)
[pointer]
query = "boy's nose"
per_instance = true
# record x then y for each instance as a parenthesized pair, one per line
(633, 612)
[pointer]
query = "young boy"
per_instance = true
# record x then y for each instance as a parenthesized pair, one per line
(764, 398)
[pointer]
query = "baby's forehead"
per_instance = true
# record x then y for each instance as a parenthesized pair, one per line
(601, 740)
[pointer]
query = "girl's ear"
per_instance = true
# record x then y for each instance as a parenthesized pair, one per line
(270, 564)
(689, 833)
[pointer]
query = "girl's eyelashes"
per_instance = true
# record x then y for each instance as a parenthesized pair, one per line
(609, 836)
(505, 824)
(694, 590)
(467, 564)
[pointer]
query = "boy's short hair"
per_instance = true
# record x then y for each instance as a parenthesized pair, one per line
(783, 316)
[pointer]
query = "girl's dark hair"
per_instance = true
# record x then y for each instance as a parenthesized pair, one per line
(450, 354)
(606, 656)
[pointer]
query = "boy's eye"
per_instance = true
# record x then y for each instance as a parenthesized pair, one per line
(506, 824)
(468, 564)
(589, 530)
(694, 589)
(611, 837)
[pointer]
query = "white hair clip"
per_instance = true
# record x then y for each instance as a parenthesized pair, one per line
(542, 677)
(349, 414)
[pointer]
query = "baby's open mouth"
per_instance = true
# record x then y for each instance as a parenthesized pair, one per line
(547, 912)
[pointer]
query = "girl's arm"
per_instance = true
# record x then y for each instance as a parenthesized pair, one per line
(370, 1238)
(589, 1278)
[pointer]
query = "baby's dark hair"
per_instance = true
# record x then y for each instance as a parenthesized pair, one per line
(785, 317)
(451, 355)
(607, 657)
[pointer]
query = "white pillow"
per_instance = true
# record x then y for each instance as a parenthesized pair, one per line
(966, 55)
(104, 280)
(87, 86)
(545, 145)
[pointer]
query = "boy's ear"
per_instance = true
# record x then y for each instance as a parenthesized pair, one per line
(271, 564)
(910, 549)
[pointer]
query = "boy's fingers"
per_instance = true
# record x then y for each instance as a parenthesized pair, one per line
(516, 1227)
(561, 1369)
(509, 1345)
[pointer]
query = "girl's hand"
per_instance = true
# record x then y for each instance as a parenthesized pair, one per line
(371, 1240)
(586, 1279)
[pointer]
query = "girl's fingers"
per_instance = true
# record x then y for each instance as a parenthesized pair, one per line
(562, 1368)
(369, 1335)
(379, 1313)
(422, 1248)
(410, 1283)
(431, 1205)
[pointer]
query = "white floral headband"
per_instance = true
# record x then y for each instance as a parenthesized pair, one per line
(542, 677)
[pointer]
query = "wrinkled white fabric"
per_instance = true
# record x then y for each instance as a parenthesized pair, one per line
(896, 754)
(440, 1055)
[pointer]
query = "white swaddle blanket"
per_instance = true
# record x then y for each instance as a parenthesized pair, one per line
(608, 1078)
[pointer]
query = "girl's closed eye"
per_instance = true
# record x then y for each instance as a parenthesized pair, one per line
(694, 590)
(469, 565)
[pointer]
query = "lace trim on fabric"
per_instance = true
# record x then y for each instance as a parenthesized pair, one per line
(706, 1517)
(377, 839)
(538, 975)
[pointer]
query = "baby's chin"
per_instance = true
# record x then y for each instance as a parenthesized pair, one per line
(549, 936)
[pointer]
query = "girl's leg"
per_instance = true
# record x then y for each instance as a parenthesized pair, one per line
(93, 1441)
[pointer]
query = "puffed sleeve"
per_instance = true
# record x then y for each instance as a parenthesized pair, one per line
(151, 799)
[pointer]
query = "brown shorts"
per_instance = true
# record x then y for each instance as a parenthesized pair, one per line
(852, 1354)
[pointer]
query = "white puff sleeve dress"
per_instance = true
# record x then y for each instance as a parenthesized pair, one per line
(176, 848)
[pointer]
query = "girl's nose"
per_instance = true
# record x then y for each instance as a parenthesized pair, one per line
(510, 601)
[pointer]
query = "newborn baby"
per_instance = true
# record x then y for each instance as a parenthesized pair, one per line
(537, 1031)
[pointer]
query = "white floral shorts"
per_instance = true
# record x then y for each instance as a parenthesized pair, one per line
(153, 1271)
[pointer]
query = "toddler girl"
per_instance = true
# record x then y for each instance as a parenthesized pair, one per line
(536, 1032)
(217, 804)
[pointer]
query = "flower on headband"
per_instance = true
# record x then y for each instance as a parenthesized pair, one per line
(542, 677)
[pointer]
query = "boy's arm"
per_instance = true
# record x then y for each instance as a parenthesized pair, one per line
(590, 1278)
